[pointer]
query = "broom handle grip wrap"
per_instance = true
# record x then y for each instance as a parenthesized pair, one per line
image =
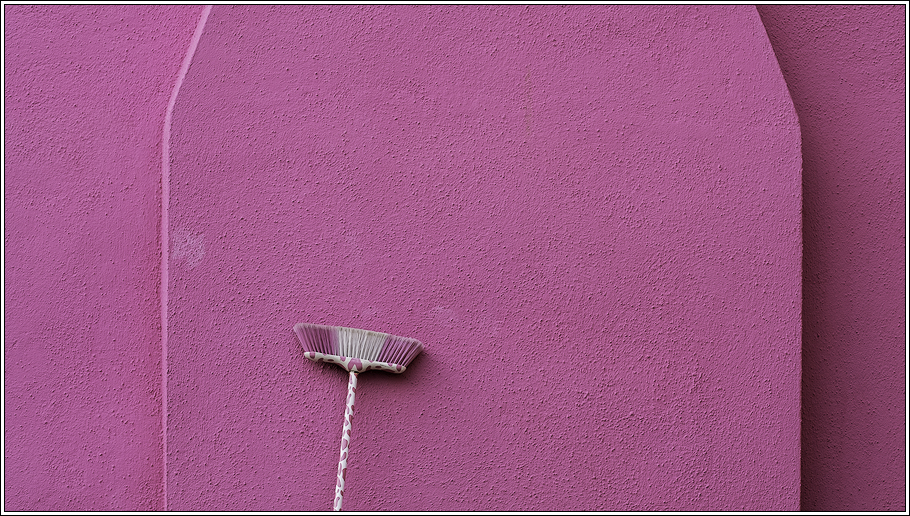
(345, 440)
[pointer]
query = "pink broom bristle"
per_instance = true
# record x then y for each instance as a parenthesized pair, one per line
(398, 350)
(318, 338)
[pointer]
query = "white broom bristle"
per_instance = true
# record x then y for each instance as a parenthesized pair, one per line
(363, 344)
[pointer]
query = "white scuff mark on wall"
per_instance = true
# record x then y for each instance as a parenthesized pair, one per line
(188, 247)
(445, 316)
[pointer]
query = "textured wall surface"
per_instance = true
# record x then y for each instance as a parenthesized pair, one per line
(590, 216)
(86, 89)
(845, 67)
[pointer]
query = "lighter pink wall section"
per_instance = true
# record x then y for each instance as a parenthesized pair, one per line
(86, 89)
(589, 215)
(845, 67)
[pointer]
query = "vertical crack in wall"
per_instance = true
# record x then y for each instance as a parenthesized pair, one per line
(165, 243)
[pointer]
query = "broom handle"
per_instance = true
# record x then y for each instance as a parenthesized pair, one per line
(345, 440)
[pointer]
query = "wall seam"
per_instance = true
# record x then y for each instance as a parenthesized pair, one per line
(801, 230)
(165, 242)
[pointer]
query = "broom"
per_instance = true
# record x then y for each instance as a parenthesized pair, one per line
(356, 351)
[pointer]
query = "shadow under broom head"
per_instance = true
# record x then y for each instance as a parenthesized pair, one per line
(356, 351)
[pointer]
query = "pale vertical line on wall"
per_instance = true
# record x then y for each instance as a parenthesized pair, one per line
(165, 243)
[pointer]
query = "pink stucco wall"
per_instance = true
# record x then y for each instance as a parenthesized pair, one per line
(590, 215)
(846, 70)
(549, 198)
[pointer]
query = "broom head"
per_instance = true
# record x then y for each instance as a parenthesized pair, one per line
(356, 350)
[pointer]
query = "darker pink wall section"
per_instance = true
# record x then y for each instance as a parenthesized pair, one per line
(845, 68)
(86, 89)
(589, 215)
